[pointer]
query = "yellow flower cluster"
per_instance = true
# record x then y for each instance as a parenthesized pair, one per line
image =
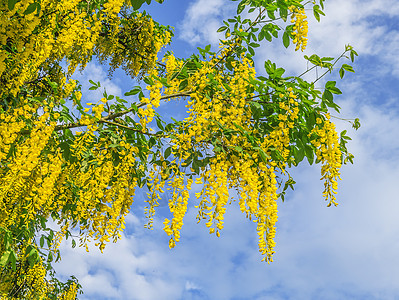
(173, 68)
(155, 183)
(26, 282)
(219, 105)
(70, 294)
(132, 44)
(92, 189)
(178, 207)
(16, 29)
(11, 123)
(215, 194)
(229, 108)
(300, 30)
(78, 48)
(147, 114)
(21, 170)
(113, 7)
(71, 32)
(93, 194)
(329, 154)
(105, 190)
(35, 278)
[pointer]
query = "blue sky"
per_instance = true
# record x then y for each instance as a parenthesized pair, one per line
(345, 252)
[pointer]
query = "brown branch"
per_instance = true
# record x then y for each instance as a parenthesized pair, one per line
(260, 95)
(129, 128)
(121, 113)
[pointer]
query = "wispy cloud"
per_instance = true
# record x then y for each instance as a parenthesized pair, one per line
(366, 25)
(202, 19)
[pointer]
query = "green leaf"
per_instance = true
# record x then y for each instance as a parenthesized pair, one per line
(66, 152)
(263, 154)
(330, 84)
(279, 72)
(196, 165)
(316, 15)
(73, 244)
(238, 148)
(327, 58)
(256, 105)
(223, 28)
(352, 55)
(148, 80)
(341, 73)
(4, 258)
(309, 154)
(317, 12)
(286, 39)
(119, 100)
(328, 96)
(251, 50)
(13, 259)
(283, 13)
(335, 90)
(32, 255)
(11, 4)
(134, 91)
(31, 8)
(267, 35)
(159, 123)
(183, 85)
(299, 154)
(50, 238)
(217, 149)
(356, 124)
(42, 221)
(270, 13)
(168, 151)
(240, 7)
(151, 142)
(348, 68)
(137, 3)
(310, 121)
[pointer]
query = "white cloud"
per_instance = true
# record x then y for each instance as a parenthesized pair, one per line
(202, 20)
(96, 73)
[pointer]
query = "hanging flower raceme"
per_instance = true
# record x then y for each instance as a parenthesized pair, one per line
(300, 29)
(329, 154)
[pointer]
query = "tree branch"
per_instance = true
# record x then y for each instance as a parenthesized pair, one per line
(108, 119)
(129, 128)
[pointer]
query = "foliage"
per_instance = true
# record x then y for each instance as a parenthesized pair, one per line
(70, 169)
